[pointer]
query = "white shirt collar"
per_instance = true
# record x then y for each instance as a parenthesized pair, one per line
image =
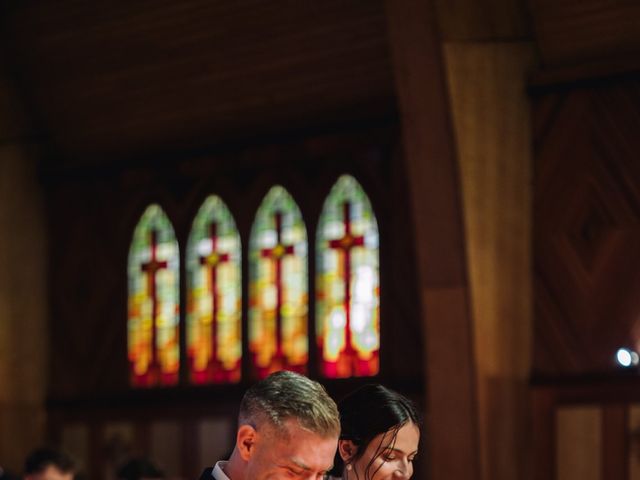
(218, 473)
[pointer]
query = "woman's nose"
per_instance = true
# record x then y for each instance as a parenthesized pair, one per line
(403, 471)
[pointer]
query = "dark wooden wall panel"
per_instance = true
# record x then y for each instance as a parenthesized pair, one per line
(613, 400)
(586, 225)
(616, 441)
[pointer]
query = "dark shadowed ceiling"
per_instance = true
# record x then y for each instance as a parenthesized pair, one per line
(117, 80)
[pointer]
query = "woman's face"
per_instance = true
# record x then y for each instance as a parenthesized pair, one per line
(384, 459)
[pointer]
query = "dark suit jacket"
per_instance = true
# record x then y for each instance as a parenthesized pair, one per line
(206, 475)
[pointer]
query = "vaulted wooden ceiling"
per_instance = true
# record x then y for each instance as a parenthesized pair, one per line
(111, 81)
(105, 80)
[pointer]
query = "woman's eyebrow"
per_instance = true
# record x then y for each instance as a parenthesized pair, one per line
(394, 449)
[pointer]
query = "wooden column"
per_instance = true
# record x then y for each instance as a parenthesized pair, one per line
(492, 124)
(23, 292)
(429, 153)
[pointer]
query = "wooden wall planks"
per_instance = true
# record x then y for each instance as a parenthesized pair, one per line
(586, 226)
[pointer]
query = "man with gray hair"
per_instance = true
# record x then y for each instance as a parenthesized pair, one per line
(288, 428)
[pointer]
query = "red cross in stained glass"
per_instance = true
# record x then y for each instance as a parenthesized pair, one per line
(344, 245)
(212, 261)
(151, 268)
(277, 253)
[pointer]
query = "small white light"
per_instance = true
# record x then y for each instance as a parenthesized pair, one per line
(627, 358)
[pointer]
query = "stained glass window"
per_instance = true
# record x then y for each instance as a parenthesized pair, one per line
(154, 301)
(347, 283)
(278, 288)
(214, 299)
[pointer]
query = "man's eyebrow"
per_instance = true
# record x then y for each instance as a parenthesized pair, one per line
(300, 464)
(303, 466)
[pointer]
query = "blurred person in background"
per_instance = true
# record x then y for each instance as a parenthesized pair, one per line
(49, 464)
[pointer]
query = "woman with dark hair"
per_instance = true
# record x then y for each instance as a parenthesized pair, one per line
(379, 435)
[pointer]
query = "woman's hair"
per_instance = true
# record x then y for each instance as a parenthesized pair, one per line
(368, 412)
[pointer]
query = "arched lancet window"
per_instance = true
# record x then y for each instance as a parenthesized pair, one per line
(278, 287)
(347, 283)
(214, 341)
(154, 301)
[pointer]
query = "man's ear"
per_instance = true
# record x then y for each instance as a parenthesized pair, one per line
(246, 440)
(347, 449)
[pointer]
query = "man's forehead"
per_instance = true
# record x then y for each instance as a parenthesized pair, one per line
(305, 449)
(287, 428)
